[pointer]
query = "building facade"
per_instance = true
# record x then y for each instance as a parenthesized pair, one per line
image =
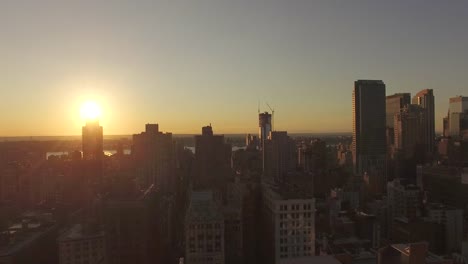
(154, 155)
(425, 99)
(212, 163)
(289, 225)
(81, 244)
(394, 104)
(409, 130)
(204, 225)
(369, 137)
(92, 140)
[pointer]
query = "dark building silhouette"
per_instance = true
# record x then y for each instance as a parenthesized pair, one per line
(425, 99)
(369, 137)
(410, 131)
(154, 155)
(212, 163)
(31, 239)
(205, 235)
(394, 104)
(412, 253)
(264, 127)
(129, 224)
(92, 140)
(279, 155)
(456, 122)
(312, 156)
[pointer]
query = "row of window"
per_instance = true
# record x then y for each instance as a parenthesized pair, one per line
(295, 215)
(201, 248)
(287, 224)
(208, 237)
(295, 207)
(205, 226)
(294, 255)
(296, 240)
(295, 249)
(295, 232)
(204, 260)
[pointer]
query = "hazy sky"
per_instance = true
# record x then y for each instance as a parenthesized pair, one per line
(185, 64)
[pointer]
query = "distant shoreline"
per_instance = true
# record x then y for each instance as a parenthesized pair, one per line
(114, 137)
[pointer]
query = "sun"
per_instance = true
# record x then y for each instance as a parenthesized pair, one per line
(90, 110)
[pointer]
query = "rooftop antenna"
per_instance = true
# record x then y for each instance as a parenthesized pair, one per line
(258, 106)
(272, 116)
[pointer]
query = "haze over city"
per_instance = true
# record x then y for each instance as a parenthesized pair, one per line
(186, 64)
(233, 132)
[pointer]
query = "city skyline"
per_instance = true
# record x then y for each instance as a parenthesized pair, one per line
(186, 65)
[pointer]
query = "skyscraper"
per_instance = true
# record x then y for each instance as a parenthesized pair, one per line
(153, 154)
(458, 108)
(204, 239)
(425, 99)
(92, 137)
(288, 229)
(279, 155)
(394, 104)
(212, 160)
(409, 130)
(369, 138)
(264, 127)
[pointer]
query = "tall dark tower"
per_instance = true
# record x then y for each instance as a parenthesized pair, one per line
(369, 138)
(92, 140)
(264, 127)
(425, 99)
(154, 155)
(212, 163)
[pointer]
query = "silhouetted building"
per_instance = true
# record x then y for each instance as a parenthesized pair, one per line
(251, 141)
(82, 244)
(154, 156)
(425, 99)
(368, 227)
(403, 200)
(451, 220)
(369, 137)
(204, 225)
(412, 253)
(279, 155)
(127, 222)
(410, 131)
(92, 141)
(445, 126)
(313, 156)
(233, 225)
(394, 104)
(212, 164)
(264, 127)
(420, 229)
(457, 106)
(29, 240)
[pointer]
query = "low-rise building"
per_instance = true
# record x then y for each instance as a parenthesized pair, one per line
(289, 226)
(204, 226)
(82, 244)
(30, 238)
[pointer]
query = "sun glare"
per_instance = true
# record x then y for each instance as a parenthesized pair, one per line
(90, 110)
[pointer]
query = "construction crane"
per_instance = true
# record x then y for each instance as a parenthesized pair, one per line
(272, 117)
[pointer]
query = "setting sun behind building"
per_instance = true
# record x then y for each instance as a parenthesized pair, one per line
(90, 111)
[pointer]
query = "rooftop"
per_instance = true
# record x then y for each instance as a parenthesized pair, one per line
(22, 233)
(77, 232)
(203, 208)
(297, 187)
(312, 260)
